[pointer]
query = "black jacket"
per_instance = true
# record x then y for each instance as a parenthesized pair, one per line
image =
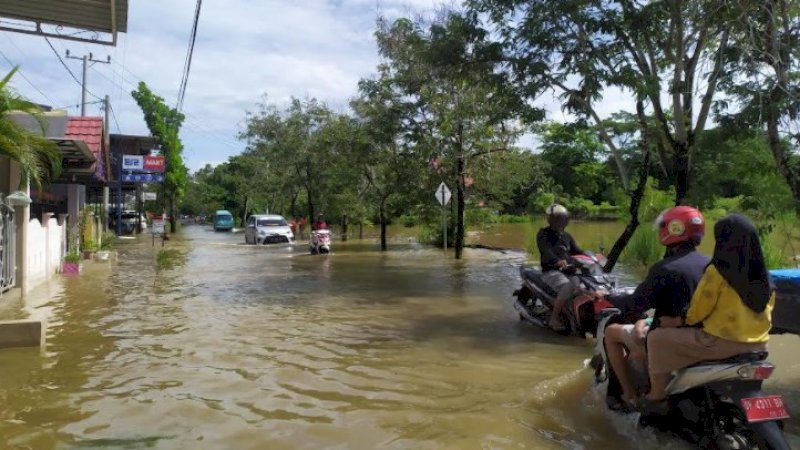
(554, 246)
(669, 285)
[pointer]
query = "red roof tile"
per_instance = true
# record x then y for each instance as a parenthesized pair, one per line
(90, 131)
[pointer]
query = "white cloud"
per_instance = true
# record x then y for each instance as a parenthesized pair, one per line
(244, 49)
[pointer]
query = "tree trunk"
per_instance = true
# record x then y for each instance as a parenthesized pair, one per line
(636, 196)
(173, 211)
(344, 228)
(779, 56)
(383, 225)
(360, 231)
(681, 172)
(244, 213)
(460, 207)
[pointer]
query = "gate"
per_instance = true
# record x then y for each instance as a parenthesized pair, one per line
(8, 246)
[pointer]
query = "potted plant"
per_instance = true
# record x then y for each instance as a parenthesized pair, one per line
(89, 247)
(106, 245)
(72, 263)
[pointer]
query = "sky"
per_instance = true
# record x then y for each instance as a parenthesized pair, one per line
(246, 51)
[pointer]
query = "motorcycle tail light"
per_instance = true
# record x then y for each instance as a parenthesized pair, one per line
(757, 372)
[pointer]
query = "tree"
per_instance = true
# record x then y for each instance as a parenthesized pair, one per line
(39, 158)
(764, 77)
(390, 167)
(165, 124)
(462, 107)
(290, 143)
(653, 50)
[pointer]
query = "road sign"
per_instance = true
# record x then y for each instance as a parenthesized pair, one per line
(149, 196)
(443, 194)
(154, 163)
(132, 162)
(158, 227)
(143, 177)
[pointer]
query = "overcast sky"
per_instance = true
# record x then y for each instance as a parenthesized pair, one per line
(245, 49)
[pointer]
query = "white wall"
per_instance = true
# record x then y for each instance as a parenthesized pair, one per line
(45, 249)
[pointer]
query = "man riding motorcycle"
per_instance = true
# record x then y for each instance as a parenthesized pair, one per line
(668, 288)
(555, 248)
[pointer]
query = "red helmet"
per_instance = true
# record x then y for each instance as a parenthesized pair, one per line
(680, 224)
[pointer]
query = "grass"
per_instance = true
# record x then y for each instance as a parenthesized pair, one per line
(168, 259)
(643, 250)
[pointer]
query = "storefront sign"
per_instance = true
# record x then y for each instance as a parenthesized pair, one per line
(154, 163)
(132, 162)
(143, 178)
(149, 196)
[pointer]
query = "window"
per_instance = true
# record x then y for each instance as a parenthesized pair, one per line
(272, 223)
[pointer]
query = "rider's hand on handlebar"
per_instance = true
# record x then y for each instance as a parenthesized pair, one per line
(562, 264)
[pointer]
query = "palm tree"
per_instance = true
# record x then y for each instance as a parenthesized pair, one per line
(38, 157)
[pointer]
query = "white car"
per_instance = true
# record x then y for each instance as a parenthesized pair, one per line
(267, 229)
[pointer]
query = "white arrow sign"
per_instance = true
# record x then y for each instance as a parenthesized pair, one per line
(443, 194)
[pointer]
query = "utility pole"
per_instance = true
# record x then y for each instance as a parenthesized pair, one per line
(86, 60)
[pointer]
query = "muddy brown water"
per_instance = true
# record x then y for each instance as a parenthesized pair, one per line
(243, 347)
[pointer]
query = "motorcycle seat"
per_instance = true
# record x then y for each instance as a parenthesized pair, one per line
(742, 358)
(535, 277)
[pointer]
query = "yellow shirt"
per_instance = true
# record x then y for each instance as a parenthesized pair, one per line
(723, 313)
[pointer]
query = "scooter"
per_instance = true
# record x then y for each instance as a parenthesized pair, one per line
(320, 242)
(535, 298)
(713, 404)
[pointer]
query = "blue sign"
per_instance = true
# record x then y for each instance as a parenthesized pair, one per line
(132, 162)
(143, 177)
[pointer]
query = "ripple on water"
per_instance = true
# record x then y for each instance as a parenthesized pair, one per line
(257, 347)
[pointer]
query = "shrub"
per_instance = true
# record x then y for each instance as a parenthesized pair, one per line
(72, 257)
(109, 238)
(643, 250)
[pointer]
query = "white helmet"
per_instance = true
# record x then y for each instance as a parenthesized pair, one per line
(557, 216)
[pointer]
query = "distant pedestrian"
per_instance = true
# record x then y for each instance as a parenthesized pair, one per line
(302, 225)
(320, 223)
(293, 225)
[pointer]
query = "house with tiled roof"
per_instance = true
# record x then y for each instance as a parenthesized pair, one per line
(42, 227)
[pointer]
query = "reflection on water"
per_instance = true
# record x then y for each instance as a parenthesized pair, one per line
(242, 347)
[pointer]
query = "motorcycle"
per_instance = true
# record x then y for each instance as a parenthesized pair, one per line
(714, 404)
(535, 298)
(320, 242)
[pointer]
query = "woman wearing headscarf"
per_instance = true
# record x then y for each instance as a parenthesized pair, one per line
(729, 314)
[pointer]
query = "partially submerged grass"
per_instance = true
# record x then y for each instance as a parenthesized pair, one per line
(169, 258)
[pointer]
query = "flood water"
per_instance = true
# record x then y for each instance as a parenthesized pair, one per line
(254, 347)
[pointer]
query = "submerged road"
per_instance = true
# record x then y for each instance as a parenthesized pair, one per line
(244, 347)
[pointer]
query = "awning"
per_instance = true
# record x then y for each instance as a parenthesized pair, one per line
(78, 163)
(78, 16)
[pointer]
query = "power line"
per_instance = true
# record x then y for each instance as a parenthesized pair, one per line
(55, 52)
(187, 65)
(19, 71)
(114, 115)
(191, 123)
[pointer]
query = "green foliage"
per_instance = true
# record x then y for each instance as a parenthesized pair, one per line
(168, 258)
(643, 250)
(72, 257)
(90, 245)
(165, 123)
(39, 158)
(108, 241)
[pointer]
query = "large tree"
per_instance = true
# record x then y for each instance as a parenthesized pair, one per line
(165, 123)
(463, 107)
(385, 153)
(764, 78)
(668, 54)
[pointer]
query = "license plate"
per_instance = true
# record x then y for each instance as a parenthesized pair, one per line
(761, 409)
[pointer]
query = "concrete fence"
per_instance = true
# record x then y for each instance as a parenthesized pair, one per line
(47, 240)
